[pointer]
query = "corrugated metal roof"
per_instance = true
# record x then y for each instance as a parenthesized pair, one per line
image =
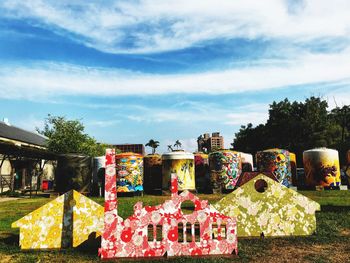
(18, 134)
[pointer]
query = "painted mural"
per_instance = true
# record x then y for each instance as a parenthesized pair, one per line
(152, 179)
(201, 162)
(322, 167)
(225, 168)
(129, 172)
(264, 206)
(276, 161)
(153, 231)
(293, 168)
(64, 222)
(182, 164)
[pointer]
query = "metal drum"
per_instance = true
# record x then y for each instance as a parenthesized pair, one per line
(181, 163)
(225, 168)
(152, 178)
(276, 161)
(247, 162)
(293, 167)
(322, 167)
(201, 163)
(129, 168)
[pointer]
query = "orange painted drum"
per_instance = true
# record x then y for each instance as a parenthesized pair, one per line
(321, 167)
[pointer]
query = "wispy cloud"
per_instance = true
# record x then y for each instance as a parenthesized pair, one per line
(50, 79)
(159, 25)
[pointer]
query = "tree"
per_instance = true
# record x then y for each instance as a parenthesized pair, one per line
(153, 144)
(170, 148)
(177, 144)
(68, 136)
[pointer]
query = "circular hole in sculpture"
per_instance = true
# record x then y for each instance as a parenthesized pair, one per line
(187, 207)
(260, 185)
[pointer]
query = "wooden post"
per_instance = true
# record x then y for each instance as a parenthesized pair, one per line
(12, 179)
(24, 172)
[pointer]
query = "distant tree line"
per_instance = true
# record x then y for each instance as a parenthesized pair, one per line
(298, 126)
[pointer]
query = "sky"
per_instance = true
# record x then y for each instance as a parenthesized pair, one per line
(167, 70)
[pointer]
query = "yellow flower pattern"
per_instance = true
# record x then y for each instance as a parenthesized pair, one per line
(66, 221)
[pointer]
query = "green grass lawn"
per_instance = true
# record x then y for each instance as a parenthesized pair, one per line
(331, 243)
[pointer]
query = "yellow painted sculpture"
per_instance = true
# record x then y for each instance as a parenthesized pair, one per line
(64, 222)
(264, 206)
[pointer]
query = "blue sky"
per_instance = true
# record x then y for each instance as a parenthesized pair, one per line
(168, 70)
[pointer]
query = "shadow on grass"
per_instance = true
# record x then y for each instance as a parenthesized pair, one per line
(9, 239)
(333, 208)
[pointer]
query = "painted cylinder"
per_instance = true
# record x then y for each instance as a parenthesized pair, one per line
(348, 157)
(201, 163)
(129, 168)
(276, 161)
(247, 162)
(293, 168)
(225, 168)
(181, 163)
(321, 167)
(152, 178)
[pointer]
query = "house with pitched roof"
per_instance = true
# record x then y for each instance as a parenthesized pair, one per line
(264, 207)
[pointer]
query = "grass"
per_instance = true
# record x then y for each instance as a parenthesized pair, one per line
(331, 243)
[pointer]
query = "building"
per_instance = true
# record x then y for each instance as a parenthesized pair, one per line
(24, 159)
(135, 148)
(209, 144)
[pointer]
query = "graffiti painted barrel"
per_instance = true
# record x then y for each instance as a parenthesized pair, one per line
(321, 167)
(181, 163)
(201, 163)
(129, 169)
(152, 177)
(276, 161)
(293, 168)
(247, 162)
(225, 168)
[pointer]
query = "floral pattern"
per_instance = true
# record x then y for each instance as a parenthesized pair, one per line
(66, 221)
(276, 161)
(225, 169)
(153, 231)
(129, 172)
(275, 211)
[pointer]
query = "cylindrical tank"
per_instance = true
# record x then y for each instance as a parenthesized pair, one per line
(247, 162)
(348, 157)
(321, 167)
(293, 167)
(98, 174)
(276, 161)
(152, 178)
(201, 163)
(225, 168)
(181, 163)
(129, 169)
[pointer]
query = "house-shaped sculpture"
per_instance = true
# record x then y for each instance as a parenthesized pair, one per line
(265, 207)
(155, 231)
(67, 221)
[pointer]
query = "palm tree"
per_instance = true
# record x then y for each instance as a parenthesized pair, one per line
(177, 144)
(170, 148)
(153, 144)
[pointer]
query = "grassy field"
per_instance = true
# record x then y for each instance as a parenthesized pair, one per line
(331, 243)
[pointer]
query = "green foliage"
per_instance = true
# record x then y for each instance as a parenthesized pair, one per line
(153, 144)
(68, 136)
(298, 126)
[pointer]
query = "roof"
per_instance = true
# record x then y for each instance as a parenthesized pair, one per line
(18, 134)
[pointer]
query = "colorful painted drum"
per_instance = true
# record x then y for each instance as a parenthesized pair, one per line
(152, 178)
(181, 163)
(225, 168)
(247, 162)
(293, 167)
(201, 163)
(129, 168)
(321, 167)
(276, 161)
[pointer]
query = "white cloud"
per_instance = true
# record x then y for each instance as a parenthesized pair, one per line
(158, 25)
(50, 80)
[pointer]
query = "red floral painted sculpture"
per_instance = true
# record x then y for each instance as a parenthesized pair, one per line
(154, 231)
